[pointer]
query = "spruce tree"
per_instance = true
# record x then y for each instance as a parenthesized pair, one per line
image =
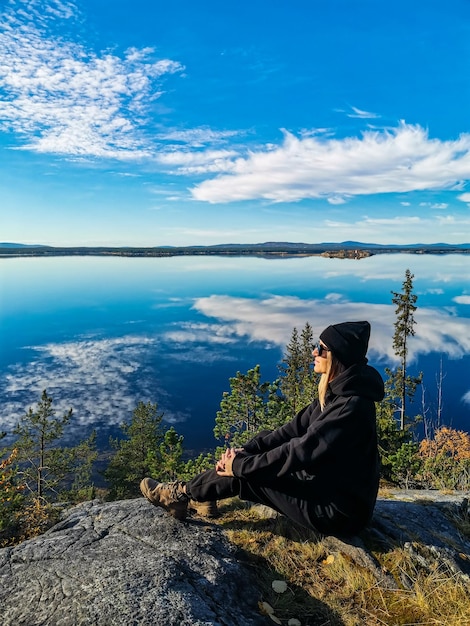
(298, 381)
(400, 385)
(309, 377)
(395, 435)
(289, 370)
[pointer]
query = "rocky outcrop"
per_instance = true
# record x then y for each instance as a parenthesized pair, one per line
(127, 563)
(433, 527)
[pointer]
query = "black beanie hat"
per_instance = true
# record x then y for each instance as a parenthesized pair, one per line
(348, 341)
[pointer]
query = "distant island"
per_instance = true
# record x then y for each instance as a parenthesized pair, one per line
(345, 249)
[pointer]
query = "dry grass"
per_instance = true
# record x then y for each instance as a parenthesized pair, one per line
(330, 589)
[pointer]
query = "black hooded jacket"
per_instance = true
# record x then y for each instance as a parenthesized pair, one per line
(335, 449)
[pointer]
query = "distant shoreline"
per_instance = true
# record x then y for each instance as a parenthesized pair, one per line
(349, 250)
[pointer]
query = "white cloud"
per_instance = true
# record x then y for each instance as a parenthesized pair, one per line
(207, 333)
(448, 219)
(64, 98)
(93, 376)
(203, 161)
(197, 137)
(464, 197)
(271, 320)
(399, 160)
(434, 205)
(363, 115)
(337, 200)
(405, 229)
(334, 297)
(461, 299)
(54, 8)
(103, 379)
(409, 220)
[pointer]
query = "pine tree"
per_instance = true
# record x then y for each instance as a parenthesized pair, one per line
(406, 464)
(190, 468)
(400, 385)
(132, 460)
(165, 461)
(80, 465)
(390, 438)
(246, 409)
(43, 465)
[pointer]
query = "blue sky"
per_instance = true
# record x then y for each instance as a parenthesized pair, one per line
(150, 123)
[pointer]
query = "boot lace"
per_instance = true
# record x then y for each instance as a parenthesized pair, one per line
(176, 490)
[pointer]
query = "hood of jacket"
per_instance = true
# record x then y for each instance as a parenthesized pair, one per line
(359, 380)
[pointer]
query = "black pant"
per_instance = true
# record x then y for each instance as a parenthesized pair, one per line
(303, 501)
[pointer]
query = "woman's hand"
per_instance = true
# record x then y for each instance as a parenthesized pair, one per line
(223, 467)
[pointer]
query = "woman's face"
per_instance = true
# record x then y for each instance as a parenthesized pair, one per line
(320, 359)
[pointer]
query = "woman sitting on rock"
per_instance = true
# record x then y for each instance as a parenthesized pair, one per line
(321, 469)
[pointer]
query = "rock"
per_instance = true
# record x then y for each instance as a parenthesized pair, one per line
(129, 564)
(126, 563)
(424, 523)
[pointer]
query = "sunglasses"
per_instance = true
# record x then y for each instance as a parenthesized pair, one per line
(320, 349)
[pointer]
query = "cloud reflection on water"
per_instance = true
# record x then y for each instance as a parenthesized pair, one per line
(96, 377)
(272, 320)
(103, 378)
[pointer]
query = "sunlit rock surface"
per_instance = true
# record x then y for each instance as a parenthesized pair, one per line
(126, 563)
(129, 564)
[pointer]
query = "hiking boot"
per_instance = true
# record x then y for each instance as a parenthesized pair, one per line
(205, 509)
(170, 496)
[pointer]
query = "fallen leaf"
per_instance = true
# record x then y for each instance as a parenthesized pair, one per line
(293, 622)
(275, 619)
(279, 586)
(329, 559)
(265, 608)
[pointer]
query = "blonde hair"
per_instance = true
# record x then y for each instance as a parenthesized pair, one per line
(333, 368)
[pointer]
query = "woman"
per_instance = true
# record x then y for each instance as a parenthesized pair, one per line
(321, 469)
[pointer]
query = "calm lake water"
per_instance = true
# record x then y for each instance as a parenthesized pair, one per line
(101, 334)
